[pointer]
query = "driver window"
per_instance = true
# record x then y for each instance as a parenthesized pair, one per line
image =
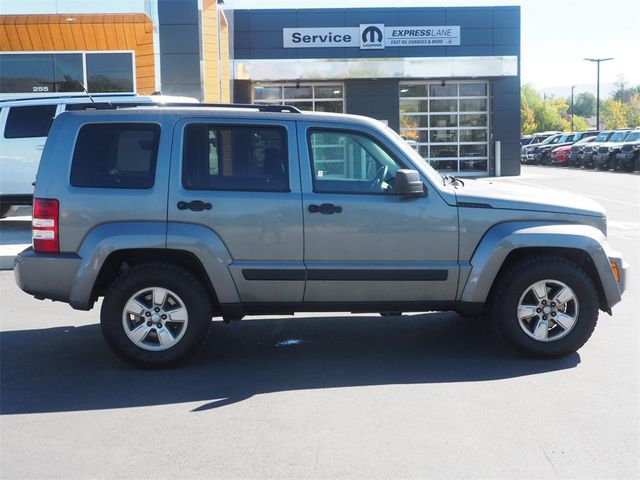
(346, 162)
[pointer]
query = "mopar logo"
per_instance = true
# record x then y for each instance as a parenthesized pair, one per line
(371, 36)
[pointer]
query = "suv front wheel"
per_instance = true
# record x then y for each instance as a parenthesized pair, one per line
(156, 315)
(545, 306)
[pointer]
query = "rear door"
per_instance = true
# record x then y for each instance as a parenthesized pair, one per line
(240, 179)
(24, 132)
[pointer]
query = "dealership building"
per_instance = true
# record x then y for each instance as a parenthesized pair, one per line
(446, 79)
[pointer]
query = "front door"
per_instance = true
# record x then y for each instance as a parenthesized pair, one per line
(363, 242)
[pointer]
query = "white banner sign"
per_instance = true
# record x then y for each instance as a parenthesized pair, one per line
(371, 36)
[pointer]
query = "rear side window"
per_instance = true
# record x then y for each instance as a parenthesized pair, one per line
(115, 155)
(26, 122)
(219, 157)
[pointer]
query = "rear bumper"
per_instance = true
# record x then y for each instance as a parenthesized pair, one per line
(49, 276)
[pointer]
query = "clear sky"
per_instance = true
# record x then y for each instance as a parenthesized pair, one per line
(556, 35)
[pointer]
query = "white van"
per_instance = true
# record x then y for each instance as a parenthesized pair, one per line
(24, 125)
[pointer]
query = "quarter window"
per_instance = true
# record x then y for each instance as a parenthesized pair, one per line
(27, 122)
(115, 155)
(222, 157)
(347, 162)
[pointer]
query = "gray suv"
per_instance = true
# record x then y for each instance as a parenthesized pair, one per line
(178, 214)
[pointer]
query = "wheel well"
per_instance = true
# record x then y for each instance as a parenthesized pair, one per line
(579, 257)
(122, 260)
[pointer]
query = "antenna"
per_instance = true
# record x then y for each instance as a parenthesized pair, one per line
(85, 91)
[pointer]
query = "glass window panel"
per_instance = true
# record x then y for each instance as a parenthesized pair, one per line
(473, 89)
(68, 72)
(473, 120)
(473, 150)
(21, 73)
(448, 90)
(419, 136)
(473, 135)
(443, 105)
(109, 72)
(423, 150)
(328, 91)
(115, 155)
(413, 90)
(306, 106)
(445, 165)
(473, 104)
(29, 121)
(357, 164)
(442, 121)
(297, 92)
(473, 165)
(217, 157)
(413, 106)
(440, 151)
(267, 93)
(414, 121)
(329, 106)
(444, 136)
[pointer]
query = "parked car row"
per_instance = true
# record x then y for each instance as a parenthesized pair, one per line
(603, 150)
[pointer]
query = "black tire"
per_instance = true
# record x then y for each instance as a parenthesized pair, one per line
(6, 210)
(156, 275)
(514, 282)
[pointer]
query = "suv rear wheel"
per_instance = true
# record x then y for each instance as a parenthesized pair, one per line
(545, 306)
(156, 315)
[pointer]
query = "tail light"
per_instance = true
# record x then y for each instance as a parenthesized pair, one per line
(44, 226)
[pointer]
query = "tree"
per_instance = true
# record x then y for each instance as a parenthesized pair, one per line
(633, 110)
(528, 120)
(622, 93)
(584, 104)
(614, 114)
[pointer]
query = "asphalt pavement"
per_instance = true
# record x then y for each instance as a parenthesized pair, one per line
(426, 395)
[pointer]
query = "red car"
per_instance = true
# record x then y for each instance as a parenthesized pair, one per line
(561, 154)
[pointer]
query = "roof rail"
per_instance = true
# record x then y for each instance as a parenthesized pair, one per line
(118, 105)
(62, 97)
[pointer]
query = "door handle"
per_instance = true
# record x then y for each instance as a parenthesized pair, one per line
(325, 208)
(195, 205)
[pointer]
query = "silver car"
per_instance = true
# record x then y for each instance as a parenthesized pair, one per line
(176, 215)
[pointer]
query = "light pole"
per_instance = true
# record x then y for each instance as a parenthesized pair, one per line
(598, 60)
(572, 87)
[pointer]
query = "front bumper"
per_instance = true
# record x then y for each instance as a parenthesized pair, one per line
(626, 156)
(601, 157)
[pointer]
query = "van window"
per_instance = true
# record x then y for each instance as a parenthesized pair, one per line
(32, 121)
(251, 158)
(115, 155)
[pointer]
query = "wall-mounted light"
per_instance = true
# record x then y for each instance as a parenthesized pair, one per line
(404, 90)
(70, 19)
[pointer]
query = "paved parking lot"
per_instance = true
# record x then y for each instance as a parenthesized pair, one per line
(352, 396)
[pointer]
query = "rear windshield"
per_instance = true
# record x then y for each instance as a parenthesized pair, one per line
(115, 155)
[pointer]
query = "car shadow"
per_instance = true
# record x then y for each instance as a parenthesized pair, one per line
(71, 368)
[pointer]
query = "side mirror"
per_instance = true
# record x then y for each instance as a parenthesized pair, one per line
(407, 182)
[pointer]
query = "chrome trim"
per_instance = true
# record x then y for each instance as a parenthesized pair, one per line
(344, 68)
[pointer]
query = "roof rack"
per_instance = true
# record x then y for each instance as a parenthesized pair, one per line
(119, 105)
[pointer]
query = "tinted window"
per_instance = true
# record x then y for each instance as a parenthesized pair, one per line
(33, 121)
(220, 157)
(115, 155)
(110, 72)
(40, 73)
(350, 163)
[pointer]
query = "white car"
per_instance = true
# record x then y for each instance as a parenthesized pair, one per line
(24, 126)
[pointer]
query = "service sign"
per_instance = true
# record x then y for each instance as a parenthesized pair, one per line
(372, 36)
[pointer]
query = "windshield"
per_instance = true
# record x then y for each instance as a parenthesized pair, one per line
(585, 140)
(565, 138)
(618, 136)
(602, 137)
(633, 136)
(551, 139)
